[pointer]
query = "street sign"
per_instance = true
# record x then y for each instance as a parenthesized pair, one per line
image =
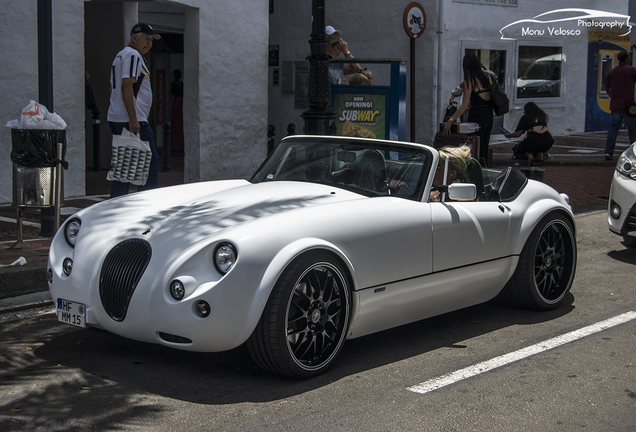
(414, 20)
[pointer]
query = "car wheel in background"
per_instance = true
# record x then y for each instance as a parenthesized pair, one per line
(546, 266)
(304, 324)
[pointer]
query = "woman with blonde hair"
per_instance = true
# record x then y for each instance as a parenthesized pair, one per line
(458, 159)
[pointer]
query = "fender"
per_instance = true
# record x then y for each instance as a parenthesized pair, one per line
(278, 264)
(530, 217)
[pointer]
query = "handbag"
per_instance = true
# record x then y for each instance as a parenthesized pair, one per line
(130, 161)
(450, 110)
(500, 102)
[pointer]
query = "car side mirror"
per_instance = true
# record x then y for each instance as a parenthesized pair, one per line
(462, 192)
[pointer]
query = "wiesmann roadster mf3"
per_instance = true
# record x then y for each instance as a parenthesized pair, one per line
(333, 238)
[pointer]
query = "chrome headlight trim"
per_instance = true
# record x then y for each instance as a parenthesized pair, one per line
(177, 290)
(225, 257)
(626, 164)
(71, 231)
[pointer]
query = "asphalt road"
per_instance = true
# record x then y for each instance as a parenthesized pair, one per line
(56, 377)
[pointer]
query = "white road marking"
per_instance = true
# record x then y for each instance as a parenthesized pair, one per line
(462, 374)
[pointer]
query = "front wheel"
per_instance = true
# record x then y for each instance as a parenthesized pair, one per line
(304, 324)
(629, 241)
(546, 267)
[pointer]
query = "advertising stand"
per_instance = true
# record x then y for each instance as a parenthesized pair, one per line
(372, 111)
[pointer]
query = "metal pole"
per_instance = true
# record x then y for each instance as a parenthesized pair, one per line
(412, 90)
(45, 54)
(96, 139)
(166, 147)
(58, 184)
(45, 83)
(319, 117)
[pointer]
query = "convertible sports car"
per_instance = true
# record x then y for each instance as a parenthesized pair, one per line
(333, 238)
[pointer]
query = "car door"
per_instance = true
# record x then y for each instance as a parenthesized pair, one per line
(466, 233)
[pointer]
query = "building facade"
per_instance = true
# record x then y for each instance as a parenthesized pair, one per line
(238, 61)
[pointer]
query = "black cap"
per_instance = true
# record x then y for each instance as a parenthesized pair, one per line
(145, 29)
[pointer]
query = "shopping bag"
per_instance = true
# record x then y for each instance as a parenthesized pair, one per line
(130, 161)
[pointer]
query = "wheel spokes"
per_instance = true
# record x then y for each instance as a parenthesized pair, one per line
(313, 321)
(551, 262)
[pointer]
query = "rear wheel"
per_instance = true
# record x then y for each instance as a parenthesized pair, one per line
(546, 266)
(304, 324)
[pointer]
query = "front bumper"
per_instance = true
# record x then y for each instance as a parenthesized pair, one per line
(623, 195)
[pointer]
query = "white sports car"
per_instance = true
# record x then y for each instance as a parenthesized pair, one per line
(622, 204)
(333, 238)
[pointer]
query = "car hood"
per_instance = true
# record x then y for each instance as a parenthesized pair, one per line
(194, 211)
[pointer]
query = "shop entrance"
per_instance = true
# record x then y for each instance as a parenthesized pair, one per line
(601, 58)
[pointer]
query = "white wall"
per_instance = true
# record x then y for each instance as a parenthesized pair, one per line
(225, 88)
(481, 23)
(19, 80)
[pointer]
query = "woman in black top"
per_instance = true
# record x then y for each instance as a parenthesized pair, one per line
(476, 87)
(534, 123)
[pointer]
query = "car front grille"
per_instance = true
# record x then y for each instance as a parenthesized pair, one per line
(630, 220)
(123, 267)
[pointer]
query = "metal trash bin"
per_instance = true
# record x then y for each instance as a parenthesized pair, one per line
(33, 187)
(533, 173)
(34, 156)
(38, 158)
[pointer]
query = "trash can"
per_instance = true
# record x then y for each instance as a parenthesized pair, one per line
(34, 156)
(533, 173)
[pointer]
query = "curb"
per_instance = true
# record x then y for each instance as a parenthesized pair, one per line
(20, 280)
(26, 301)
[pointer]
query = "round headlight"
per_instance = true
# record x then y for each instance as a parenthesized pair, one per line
(627, 163)
(71, 231)
(67, 266)
(177, 290)
(224, 258)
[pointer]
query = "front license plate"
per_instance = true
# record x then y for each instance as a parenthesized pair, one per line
(71, 313)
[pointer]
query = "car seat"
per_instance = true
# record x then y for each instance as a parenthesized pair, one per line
(370, 171)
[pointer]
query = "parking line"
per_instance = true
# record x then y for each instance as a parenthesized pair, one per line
(462, 374)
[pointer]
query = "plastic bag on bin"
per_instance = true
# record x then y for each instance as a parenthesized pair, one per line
(35, 137)
(37, 116)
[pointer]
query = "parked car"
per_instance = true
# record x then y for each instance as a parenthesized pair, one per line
(622, 204)
(333, 238)
(542, 78)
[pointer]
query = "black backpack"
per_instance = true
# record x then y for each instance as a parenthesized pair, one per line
(500, 102)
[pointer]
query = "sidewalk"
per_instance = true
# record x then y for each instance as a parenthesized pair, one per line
(576, 167)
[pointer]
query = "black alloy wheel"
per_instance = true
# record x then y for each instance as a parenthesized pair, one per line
(546, 267)
(305, 322)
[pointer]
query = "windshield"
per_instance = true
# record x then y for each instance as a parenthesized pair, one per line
(544, 70)
(371, 168)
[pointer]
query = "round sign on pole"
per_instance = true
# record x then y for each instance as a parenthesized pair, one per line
(631, 109)
(414, 20)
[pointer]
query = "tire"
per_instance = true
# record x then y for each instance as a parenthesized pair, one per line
(305, 322)
(629, 241)
(546, 267)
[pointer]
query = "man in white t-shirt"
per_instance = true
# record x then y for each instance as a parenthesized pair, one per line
(131, 99)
